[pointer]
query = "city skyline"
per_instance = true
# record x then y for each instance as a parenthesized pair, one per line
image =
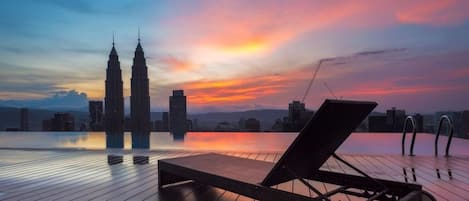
(409, 55)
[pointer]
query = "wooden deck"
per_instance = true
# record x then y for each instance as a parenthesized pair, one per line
(86, 175)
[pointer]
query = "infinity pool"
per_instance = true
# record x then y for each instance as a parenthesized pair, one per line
(358, 143)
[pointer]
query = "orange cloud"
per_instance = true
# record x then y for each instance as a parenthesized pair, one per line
(388, 88)
(178, 65)
(257, 27)
(436, 12)
(261, 26)
(235, 90)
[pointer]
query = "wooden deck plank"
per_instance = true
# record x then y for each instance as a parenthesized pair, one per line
(39, 182)
(412, 177)
(113, 184)
(85, 175)
(133, 188)
(449, 191)
(409, 176)
(121, 170)
(81, 177)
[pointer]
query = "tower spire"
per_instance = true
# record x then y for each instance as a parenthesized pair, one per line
(113, 39)
(138, 34)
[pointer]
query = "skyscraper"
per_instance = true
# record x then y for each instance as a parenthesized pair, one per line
(114, 102)
(95, 109)
(177, 113)
(140, 100)
(24, 119)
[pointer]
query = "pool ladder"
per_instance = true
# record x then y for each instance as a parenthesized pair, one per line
(411, 119)
(450, 134)
(414, 133)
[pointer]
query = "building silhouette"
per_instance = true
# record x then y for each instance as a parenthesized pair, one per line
(95, 109)
(24, 119)
(465, 124)
(140, 100)
(177, 113)
(392, 121)
(418, 122)
(377, 123)
(297, 118)
(252, 125)
(127, 124)
(163, 124)
(114, 102)
(460, 121)
(165, 119)
(60, 122)
(395, 119)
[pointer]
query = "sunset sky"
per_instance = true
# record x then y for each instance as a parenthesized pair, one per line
(243, 54)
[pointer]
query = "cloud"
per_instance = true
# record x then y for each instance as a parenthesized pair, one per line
(376, 52)
(239, 90)
(60, 99)
(177, 65)
(23, 82)
(434, 12)
(219, 28)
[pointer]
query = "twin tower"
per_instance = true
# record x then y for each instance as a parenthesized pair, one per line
(139, 101)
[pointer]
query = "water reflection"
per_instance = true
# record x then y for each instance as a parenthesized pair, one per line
(438, 173)
(141, 160)
(114, 145)
(114, 159)
(140, 140)
(114, 140)
(216, 141)
(179, 136)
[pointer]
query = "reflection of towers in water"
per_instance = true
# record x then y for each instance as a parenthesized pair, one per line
(140, 101)
(178, 115)
(24, 119)
(114, 102)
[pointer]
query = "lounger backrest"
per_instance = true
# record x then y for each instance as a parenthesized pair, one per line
(333, 122)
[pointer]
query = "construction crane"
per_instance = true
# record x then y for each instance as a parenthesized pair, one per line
(314, 77)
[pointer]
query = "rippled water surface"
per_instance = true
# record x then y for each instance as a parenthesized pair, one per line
(364, 143)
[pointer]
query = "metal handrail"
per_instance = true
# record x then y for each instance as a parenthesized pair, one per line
(450, 137)
(414, 130)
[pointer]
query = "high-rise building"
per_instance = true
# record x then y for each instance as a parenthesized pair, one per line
(177, 113)
(395, 119)
(140, 100)
(295, 109)
(377, 123)
(60, 122)
(95, 109)
(165, 119)
(465, 124)
(297, 118)
(459, 121)
(114, 99)
(114, 102)
(24, 119)
(252, 125)
(419, 122)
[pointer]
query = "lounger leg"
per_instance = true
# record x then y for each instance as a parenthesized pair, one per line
(165, 178)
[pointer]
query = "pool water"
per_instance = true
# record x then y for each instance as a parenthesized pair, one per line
(357, 143)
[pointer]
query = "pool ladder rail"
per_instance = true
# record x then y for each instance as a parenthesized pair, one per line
(443, 118)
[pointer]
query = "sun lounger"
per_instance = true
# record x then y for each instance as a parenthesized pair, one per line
(315, 144)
